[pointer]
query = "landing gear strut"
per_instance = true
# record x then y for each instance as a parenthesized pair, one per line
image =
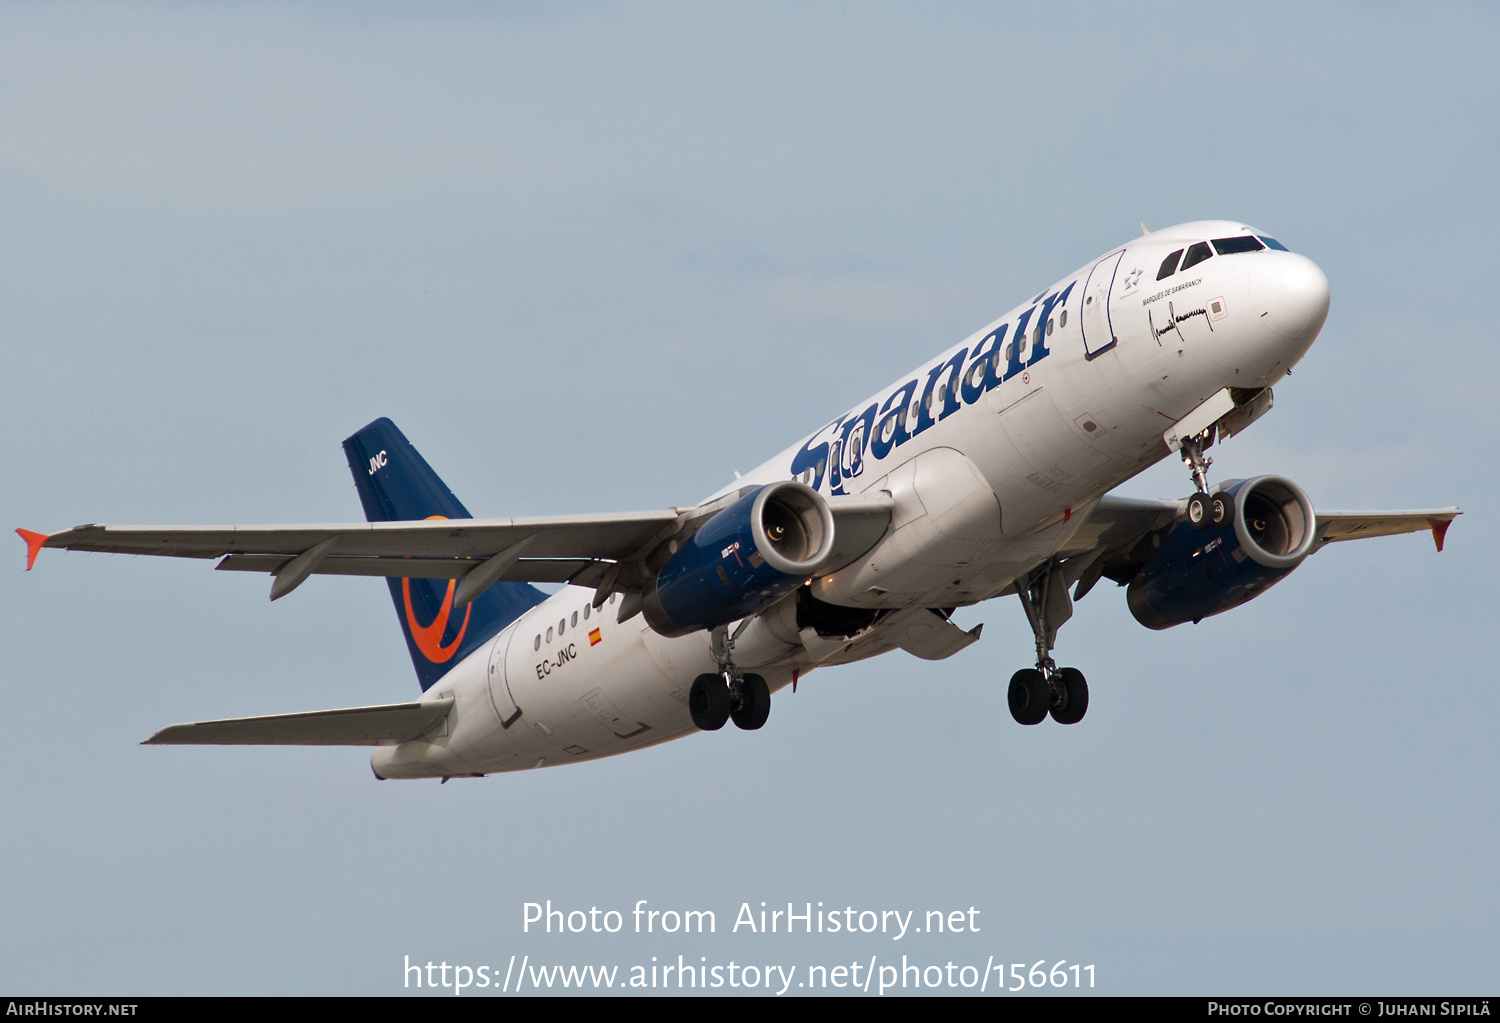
(1204, 511)
(1047, 689)
(728, 695)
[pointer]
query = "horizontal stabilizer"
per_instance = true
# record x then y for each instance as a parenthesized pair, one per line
(348, 726)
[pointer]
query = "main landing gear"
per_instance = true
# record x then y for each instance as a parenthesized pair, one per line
(1203, 510)
(1047, 689)
(728, 695)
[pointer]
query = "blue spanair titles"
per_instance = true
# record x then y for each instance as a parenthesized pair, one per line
(839, 450)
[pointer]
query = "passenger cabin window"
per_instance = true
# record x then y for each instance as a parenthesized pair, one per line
(1195, 255)
(586, 609)
(1229, 246)
(549, 634)
(574, 620)
(1272, 243)
(538, 644)
(1169, 266)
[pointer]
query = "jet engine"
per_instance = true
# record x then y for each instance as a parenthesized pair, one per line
(743, 559)
(1198, 572)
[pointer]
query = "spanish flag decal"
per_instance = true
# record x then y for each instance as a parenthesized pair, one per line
(594, 638)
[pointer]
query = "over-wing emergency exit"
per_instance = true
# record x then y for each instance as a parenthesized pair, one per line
(985, 472)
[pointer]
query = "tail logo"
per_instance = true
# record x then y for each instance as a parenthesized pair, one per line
(429, 638)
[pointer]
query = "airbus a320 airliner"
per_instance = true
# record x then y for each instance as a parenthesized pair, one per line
(985, 472)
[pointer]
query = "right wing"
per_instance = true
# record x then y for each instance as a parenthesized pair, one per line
(1114, 541)
(1341, 525)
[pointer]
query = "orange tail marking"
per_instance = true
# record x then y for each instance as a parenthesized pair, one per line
(34, 543)
(429, 638)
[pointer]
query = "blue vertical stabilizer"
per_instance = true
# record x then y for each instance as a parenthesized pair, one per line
(395, 483)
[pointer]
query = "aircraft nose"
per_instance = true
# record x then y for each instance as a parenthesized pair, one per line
(1290, 294)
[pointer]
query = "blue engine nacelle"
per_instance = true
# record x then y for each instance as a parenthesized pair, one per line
(1200, 572)
(746, 557)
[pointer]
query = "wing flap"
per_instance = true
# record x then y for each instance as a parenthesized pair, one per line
(347, 726)
(927, 634)
(533, 570)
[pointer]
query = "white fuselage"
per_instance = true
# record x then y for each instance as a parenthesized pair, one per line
(993, 452)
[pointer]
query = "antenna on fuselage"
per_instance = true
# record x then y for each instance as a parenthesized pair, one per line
(1144, 228)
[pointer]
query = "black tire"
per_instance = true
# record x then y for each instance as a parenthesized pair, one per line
(708, 702)
(1029, 697)
(751, 699)
(1198, 511)
(1221, 512)
(1072, 701)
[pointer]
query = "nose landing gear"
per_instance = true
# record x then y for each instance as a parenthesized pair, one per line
(1047, 689)
(1203, 510)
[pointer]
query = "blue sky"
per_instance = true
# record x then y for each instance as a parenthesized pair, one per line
(595, 257)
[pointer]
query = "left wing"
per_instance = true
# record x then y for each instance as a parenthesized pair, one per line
(585, 550)
(558, 549)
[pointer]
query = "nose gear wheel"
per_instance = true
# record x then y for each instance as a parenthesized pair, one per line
(1203, 511)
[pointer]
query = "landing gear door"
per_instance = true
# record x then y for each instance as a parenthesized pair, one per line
(1098, 331)
(505, 705)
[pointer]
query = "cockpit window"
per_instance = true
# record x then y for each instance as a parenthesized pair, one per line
(1272, 243)
(1195, 255)
(1169, 266)
(1228, 246)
